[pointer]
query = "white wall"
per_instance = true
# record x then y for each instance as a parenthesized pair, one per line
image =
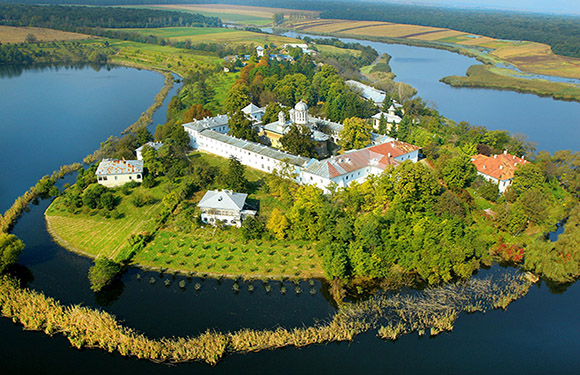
(118, 180)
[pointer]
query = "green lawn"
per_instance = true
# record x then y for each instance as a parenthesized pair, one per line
(180, 244)
(214, 35)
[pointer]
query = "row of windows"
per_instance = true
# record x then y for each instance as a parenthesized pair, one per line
(105, 178)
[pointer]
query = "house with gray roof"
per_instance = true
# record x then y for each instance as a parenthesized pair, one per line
(154, 145)
(112, 172)
(254, 112)
(224, 206)
(218, 123)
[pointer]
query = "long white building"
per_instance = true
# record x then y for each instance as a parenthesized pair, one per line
(355, 165)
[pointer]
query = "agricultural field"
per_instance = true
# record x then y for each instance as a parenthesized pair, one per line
(214, 35)
(529, 57)
(180, 244)
(11, 35)
(259, 16)
(151, 56)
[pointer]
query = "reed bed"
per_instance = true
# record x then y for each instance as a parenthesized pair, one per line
(434, 310)
(22, 202)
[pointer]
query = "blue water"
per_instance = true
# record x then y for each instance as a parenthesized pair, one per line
(55, 116)
(537, 334)
(552, 124)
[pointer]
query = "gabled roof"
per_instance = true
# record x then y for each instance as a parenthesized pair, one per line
(223, 200)
(350, 162)
(207, 123)
(394, 148)
(155, 145)
(390, 118)
(251, 108)
(500, 166)
(115, 167)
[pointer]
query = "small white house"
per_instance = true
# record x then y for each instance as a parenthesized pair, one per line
(260, 51)
(155, 145)
(390, 117)
(224, 206)
(112, 172)
(254, 112)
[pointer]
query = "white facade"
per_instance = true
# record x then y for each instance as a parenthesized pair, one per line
(225, 207)
(113, 173)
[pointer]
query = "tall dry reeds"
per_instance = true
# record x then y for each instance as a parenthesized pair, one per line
(433, 310)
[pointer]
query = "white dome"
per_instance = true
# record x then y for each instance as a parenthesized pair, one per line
(301, 106)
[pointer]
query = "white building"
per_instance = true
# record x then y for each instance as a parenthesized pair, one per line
(218, 124)
(390, 117)
(112, 172)
(354, 165)
(368, 92)
(225, 207)
(155, 145)
(260, 51)
(498, 168)
(357, 165)
(254, 112)
(302, 46)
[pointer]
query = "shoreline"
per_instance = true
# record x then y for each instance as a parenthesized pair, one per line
(468, 52)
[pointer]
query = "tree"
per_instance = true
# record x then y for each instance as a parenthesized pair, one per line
(277, 224)
(30, 38)
(92, 195)
(238, 97)
(292, 88)
(526, 177)
(242, 127)
(235, 178)
(252, 228)
(404, 128)
(298, 141)
(196, 112)
(10, 248)
(387, 103)
(103, 273)
(143, 136)
(272, 111)
(356, 134)
(459, 172)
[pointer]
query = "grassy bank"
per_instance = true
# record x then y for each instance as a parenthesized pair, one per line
(433, 310)
(179, 243)
(486, 76)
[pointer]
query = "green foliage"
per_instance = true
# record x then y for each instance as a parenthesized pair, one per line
(277, 224)
(237, 98)
(298, 141)
(103, 273)
(92, 195)
(234, 176)
(356, 134)
(527, 176)
(242, 127)
(10, 248)
(291, 89)
(459, 172)
(252, 228)
(272, 111)
(558, 261)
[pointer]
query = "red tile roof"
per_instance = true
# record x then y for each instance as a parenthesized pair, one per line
(113, 167)
(394, 148)
(500, 167)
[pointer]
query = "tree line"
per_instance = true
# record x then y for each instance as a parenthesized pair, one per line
(76, 18)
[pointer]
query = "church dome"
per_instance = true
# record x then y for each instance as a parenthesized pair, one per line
(301, 106)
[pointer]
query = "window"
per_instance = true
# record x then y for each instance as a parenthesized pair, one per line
(130, 177)
(115, 178)
(138, 176)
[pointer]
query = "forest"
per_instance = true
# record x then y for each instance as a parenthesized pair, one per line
(77, 18)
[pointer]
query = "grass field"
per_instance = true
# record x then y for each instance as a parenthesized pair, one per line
(157, 57)
(504, 79)
(179, 244)
(214, 35)
(529, 57)
(11, 35)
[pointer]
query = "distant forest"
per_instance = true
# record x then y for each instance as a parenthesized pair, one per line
(560, 32)
(78, 18)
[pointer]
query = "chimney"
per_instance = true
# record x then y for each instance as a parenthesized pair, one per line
(501, 167)
(505, 152)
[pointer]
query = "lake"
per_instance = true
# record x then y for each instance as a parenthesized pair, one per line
(552, 124)
(537, 334)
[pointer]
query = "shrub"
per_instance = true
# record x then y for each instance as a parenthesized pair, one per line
(103, 273)
(10, 248)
